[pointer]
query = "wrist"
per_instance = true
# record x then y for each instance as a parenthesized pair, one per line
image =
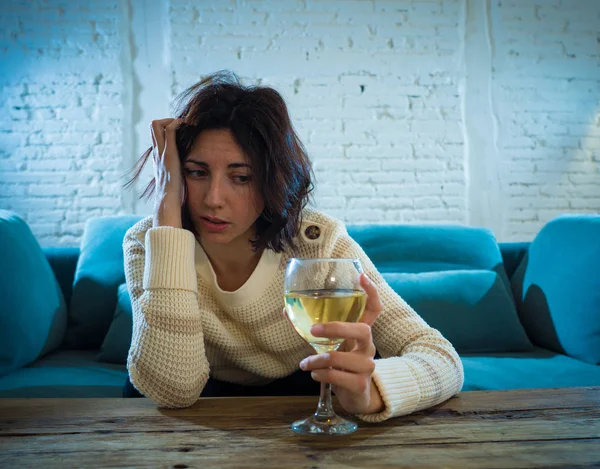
(165, 214)
(376, 403)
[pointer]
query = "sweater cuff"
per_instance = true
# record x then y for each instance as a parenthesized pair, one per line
(398, 389)
(169, 259)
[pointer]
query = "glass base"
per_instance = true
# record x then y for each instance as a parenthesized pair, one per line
(331, 426)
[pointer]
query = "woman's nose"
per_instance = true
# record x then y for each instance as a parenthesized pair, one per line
(214, 196)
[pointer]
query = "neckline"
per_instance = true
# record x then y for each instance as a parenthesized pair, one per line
(252, 289)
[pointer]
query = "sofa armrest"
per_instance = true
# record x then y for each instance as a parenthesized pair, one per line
(63, 261)
(512, 255)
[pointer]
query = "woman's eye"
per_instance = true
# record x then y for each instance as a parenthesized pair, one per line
(242, 179)
(196, 172)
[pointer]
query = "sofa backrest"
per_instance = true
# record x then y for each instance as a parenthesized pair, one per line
(427, 248)
(63, 260)
(99, 272)
(512, 255)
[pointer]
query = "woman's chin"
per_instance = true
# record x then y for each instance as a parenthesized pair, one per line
(216, 238)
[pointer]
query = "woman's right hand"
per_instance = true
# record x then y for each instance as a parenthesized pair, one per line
(167, 173)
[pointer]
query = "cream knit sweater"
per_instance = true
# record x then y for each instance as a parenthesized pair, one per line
(185, 327)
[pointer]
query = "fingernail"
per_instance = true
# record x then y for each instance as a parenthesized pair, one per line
(317, 329)
(303, 364)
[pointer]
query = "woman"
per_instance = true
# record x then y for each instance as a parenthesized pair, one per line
(205, 272)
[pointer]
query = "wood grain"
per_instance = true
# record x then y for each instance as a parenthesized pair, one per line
(524, 428)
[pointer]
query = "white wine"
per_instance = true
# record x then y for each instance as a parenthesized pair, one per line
(322, 291)
(310, 307)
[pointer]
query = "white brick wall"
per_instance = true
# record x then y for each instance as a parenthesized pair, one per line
(447, 111)
(370, 123)
(61, 113)
(546, 99)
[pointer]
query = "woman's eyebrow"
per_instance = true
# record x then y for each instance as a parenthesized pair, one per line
(231, 165)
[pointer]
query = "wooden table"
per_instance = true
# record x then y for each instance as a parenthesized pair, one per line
(525, 428)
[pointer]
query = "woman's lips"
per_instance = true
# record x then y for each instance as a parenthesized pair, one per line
(214, 219)
(210, 225)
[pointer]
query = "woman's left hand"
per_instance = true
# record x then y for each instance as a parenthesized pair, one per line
(350, 369)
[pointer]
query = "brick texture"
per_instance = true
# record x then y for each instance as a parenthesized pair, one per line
(61, 108)
(378, 91)
(546, 94)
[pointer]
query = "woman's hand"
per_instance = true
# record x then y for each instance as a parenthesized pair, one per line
(350, 369)
(168, 197)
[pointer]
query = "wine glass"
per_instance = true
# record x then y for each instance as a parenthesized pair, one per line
(318, 291)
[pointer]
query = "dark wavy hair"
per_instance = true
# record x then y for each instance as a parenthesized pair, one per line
(259, 120)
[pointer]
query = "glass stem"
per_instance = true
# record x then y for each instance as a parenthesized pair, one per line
(325, 408)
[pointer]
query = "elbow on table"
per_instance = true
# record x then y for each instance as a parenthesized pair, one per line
(174, 397)
(460, 378)
(451, 366)
(457, 368)
(169, 395)
(179, 403)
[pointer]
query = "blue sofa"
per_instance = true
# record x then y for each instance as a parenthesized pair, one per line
(514, 311)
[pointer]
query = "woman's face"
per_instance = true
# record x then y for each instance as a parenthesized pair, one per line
(222, 197)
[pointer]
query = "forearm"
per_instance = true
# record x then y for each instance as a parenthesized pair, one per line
(418, 379)
(437, 370)
(167, 361)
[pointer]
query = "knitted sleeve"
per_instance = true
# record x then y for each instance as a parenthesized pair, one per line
(166, 361)
(419, 368)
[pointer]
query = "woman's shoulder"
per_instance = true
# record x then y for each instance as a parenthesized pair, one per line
(312, 215)
(319, 228)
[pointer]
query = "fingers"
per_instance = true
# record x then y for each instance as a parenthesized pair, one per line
(158, 134)
(354, 383)
(172, 126)
(162, 130)
(352, 363)
(360, 332)
(171, 152)
(373, 306)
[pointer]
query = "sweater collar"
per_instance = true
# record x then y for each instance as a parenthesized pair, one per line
(251, 290)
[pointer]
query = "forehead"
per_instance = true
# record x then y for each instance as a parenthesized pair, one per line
(216, 146)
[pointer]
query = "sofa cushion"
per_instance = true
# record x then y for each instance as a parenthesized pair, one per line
(32, 310)
(99, 273)
(537, 369)
(453, 276)
(424, 248)
(65, 373)
(118, 339)
(557, 287)
(471, 308)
